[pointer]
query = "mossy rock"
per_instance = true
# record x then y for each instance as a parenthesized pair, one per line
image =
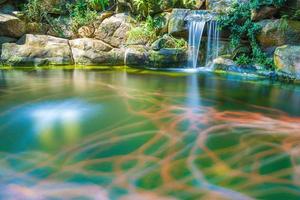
(278, 32)
(287, 60)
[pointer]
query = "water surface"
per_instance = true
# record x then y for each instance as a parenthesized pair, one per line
(129, 134)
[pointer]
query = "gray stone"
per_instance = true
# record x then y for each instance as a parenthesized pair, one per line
(113, 30)
(88, 51)
(37, 50)
(11, 26)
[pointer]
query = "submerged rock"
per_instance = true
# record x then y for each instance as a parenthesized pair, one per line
(37, 50)
(88, 51)
(113, 30)
(287, 60)
(275, 33)
(11, 26)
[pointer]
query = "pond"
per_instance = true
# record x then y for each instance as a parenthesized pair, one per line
(136, 134)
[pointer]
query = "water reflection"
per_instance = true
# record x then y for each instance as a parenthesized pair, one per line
(131, 135)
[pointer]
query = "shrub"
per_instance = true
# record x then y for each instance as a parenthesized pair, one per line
(145, 32)
(146, 7)
(239, 22)
(81, 14)
(35, 11)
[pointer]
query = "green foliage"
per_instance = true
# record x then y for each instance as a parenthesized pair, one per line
(256, 4)
(35, 11)
(98, 4)
(174, 43)
(81, 14)
(283, 25)
(145, 32)
(243, 60)
(146, 7)
(239, 22)
(296, 15)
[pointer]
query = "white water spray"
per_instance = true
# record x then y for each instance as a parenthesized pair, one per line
(196, 23)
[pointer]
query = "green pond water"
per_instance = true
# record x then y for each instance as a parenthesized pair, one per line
(141, 135)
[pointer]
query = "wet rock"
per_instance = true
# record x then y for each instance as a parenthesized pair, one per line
(168, 57)
(11, 26)
(287, 60)
(224, 63)
(113, 30)
(137, 55)
(87, 51)
(141, 56)
(266, 12)
(37, 50)
(274, 33)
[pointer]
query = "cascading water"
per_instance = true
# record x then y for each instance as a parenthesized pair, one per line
(195, 35)
(196, 23)
(213, 42)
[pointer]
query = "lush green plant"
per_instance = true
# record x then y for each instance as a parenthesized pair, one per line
(145, 32)
(146, 7)
(283, 25)
(243, 60)
(81, 14)
(296, 15)
(35, 11)
(98, 4)
(172, 42)
(239, 22)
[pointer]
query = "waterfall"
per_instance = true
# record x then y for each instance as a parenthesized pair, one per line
(195, 35)
(196, 26)
(213, 40)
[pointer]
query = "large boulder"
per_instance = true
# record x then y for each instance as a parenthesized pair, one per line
(266, 12)
(113, 30)
(37, 50)
(177, 24)
(87, 51)
(287, 60)
(276, 33)
(11, 26)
